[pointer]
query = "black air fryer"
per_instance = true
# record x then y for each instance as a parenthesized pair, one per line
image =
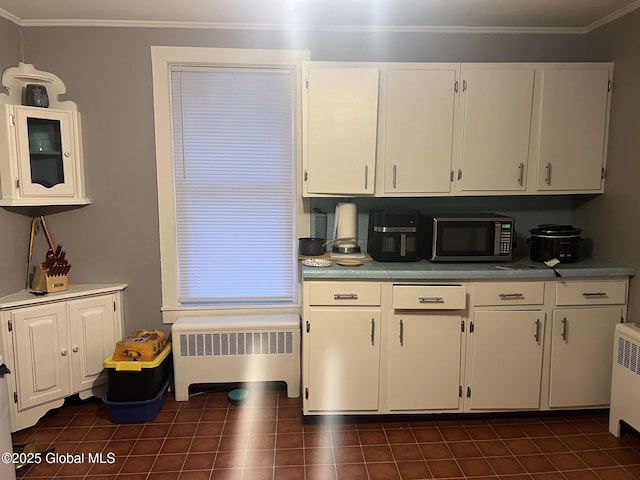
(393, 235)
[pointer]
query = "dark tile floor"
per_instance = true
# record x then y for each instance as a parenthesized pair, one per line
(207, 438)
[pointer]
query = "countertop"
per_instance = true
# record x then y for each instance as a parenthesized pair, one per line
(422, 270)
(25, 298)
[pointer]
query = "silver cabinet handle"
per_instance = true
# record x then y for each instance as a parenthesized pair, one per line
(345, 296)
(511, 296)
(547, 176)
(431, 299)
(594, 294)
(537, 335)
(520, 173)
(563, 333)
(401, 333)
(366, 177)
(373, 331)
(394, 175)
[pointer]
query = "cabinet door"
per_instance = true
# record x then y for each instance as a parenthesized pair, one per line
(581, 356)
(424, 363)
(506, 363)
(41, 354)
(340, 130)
(93, 338)
(573, 128)
(496, 106)
(343, 359)
(419, 130)
(46, 153)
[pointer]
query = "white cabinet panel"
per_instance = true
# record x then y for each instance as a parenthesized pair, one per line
(93, 338)
(506, 364)
(42, 354)
(613, 292)
(419, 118)
(424, 361)
(340, 121)
(496, 106)
(343, 359)
(573, 127)
(581, 356)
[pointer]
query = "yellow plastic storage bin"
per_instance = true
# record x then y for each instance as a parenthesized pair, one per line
(131, 381)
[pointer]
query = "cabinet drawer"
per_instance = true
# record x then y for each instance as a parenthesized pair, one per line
(429, 297)
(344, 293)
(508, 293)
(612, 292)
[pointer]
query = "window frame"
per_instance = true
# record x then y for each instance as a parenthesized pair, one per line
(162, 60)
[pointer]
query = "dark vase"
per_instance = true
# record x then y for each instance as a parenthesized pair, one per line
(35, 95)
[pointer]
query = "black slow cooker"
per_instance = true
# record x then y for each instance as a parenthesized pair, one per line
(555, 241)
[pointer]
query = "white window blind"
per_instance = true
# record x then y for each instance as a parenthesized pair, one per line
(233, 132)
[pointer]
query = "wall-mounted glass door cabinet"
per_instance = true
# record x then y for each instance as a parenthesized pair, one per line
(41, 162)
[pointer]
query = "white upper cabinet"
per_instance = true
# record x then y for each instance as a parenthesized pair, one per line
(495, 122)
(418, 111)
(40, 147)
(340, 121)
(436, 129)
(573, 126)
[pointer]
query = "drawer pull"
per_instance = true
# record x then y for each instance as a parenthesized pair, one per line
(431, 299)
(511, 296)
(345, 296)
(594, 294)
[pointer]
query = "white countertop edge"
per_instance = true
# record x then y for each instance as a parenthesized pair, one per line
(24, 297)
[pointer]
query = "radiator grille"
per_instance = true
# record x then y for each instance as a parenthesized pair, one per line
(236, 343)
(628, 355)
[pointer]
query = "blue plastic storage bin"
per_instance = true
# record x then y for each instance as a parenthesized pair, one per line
(140, 411)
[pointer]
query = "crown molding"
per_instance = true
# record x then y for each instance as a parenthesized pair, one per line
(320, 28)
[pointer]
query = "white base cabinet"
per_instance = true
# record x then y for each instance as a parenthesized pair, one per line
(584, 320)
(55, 346)
(506, 364)
(432, 344)
(379, 347)
(344, 359)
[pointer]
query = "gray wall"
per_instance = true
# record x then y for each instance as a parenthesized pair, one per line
(613, 216)
(107, 72)
(14, 229)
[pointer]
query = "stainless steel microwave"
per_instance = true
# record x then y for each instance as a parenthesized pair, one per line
(477, 237)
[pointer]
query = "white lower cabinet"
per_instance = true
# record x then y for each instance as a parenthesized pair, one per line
(344, 359)
(384, 347)
(55, 346)
(505, 368)
(424, 361)
(582, 341)
(581, 356)
(341, 347)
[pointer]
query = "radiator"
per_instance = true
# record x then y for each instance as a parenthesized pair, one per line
(625, 378)
(236, 349)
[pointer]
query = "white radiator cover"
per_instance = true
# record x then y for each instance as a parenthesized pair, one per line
(234, 348)
(625, 378)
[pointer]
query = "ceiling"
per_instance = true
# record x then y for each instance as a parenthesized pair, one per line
(538, 16)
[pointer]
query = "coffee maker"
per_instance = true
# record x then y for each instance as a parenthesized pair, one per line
(393, 235)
